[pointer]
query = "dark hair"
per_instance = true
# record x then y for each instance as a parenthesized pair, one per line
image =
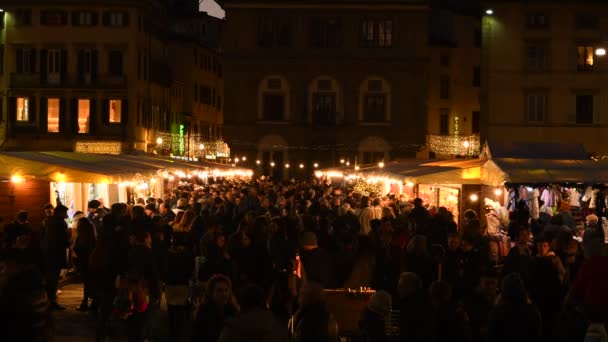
(418, 201)
(213, 282)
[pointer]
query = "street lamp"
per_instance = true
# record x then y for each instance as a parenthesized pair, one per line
(159, 141)
(316, 165)
(201, 147)
(490, 11)
(600, 52)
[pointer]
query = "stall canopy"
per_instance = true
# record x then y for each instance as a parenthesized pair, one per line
(534, 150)
(499, 171)
(71, 167)
(457, 171)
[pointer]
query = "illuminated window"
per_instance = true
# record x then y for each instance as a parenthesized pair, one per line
(586, 58)
(52, 115)
(115, 111)
(84, 112)
(23, 109)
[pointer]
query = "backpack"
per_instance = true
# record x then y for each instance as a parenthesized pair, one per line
(596, 333)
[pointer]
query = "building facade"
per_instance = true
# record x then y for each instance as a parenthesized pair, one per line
(543, 79)
(454, 81)
(314, 82)
(95, 76)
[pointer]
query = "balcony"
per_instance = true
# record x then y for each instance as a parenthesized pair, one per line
(60, 81)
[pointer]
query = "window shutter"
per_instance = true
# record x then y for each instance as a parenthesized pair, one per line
(43, 17)
(75, 15)
(124, 112)
(92, 116)
(80, 66)
(32, 60)
(43, 67)
(105, 111)
(571, 108)
(94, 18)
(94, 65)
(73, 116)
(19, 58)
(106, 19)
(12, 109)
(126, 19)
(43, 113)
(64, 66)
(63, 122)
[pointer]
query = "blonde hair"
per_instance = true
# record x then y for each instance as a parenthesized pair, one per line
(185, 224)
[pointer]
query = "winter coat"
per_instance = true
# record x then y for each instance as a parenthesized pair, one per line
(56, 242)
(512, 322)
(209, 322)
(255, 325)
(372, 327)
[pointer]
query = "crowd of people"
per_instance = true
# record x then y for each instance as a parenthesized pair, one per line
(237, 260)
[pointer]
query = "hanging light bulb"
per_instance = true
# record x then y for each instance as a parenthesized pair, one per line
(301, 166)
(257, 162)
(159, 141)
(287, 166)
(271, 164)
(316, 165)
(381, 164)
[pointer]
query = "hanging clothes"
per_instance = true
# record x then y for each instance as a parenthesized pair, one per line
(512, 199)
(534, 207)
(588, 194)
(593, 201)
(524, 194)
(575, 198)
(547, 197)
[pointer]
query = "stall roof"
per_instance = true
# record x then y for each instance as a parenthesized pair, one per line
(533, 171)
(534, 150)
(70, 167)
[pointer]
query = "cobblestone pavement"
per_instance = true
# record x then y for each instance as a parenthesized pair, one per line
(72, 325)
(75, 326)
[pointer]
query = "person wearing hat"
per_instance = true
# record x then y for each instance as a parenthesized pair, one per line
(54, 248)
(317, 263)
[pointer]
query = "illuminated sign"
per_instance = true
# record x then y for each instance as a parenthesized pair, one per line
(98, 147)
(181, 139)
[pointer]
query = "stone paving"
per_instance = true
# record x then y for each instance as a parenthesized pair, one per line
(72, 325)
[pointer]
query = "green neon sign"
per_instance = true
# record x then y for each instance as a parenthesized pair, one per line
(181, 140)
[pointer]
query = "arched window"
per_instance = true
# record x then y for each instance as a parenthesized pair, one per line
(375, 100)
(273, 99)
(324, 103)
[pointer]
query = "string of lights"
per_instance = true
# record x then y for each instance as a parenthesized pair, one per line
(455, 145)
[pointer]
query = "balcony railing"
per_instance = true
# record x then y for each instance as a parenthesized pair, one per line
(61, 81)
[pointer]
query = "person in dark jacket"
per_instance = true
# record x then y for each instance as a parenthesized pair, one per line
(373, 319)
(218, 306)
(449, 321)
(55, 244)
(317, 263)
(519, 259)
(414, 308)
(180, 271)
(479, 304)
(514, 318)
(254, 322)
(104, 265)
(16, 229)
(313, 321)
(83, 246)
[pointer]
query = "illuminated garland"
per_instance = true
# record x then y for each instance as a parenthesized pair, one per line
(454, 145)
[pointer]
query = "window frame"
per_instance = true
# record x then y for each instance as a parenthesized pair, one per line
(583, 118)
(111, 120)
(325, 32)
(88, 116)
(444, 121)
(267, 116)
(537, 56)
(444, 87)
(23, 17)
(532, 20)
(370, 32)
(26, 105)
(581, 22)
(48, 113)
(588, 51)
(536, 116)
